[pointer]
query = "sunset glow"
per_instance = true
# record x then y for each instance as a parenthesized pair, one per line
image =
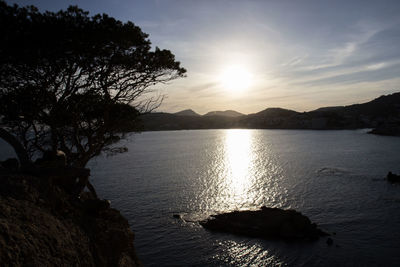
(251, 55)
(236, 78)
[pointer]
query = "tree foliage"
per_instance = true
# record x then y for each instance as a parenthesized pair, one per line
(75, 82)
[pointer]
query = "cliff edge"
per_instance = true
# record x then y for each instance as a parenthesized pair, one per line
(42, 225)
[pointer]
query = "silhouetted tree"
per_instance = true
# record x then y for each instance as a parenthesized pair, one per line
(75, 82)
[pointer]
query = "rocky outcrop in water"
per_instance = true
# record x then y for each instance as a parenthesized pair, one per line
(393, 178)
(387, 129)
(43, 225)
(268, 223)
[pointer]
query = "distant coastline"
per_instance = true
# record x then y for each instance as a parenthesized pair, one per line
(381, 114)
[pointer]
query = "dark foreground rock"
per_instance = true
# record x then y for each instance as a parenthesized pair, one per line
(42, 225)
(268, 223)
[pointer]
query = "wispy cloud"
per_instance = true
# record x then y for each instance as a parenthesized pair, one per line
(198, 88)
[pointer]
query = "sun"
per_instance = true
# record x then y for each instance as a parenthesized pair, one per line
(236, 78)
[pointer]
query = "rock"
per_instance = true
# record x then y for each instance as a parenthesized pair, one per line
(387, 129)
(42, 225)
(268, 223)
(393, 178)
(94, 206)
(10, 164)
(52, 159)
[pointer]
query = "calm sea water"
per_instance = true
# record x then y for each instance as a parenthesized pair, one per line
(336, 178)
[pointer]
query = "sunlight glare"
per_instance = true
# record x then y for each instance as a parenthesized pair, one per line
(236, 78)
(239, 161)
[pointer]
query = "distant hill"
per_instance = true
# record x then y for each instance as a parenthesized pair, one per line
(167, 121)
(276, 112)
(381, 113)
(386, 105)
(329, 108)
(186, 112)
(226, 113)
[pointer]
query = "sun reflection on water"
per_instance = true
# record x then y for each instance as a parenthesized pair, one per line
(241, 174)
(240, 253)
(239, 162)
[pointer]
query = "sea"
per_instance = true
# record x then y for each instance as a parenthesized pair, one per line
(336, 178)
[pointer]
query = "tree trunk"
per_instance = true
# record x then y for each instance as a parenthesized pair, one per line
(18, 148)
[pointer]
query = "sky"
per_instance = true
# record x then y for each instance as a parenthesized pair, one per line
(299, 54)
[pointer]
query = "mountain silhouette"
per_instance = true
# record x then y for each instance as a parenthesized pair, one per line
(226, 113)
(186, 112)
(382, 113)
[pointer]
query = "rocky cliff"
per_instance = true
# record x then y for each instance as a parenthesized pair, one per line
(42, 225)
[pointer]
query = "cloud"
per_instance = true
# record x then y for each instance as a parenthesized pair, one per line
(378, 73)
(201, 87)
(376, 66)
(370, 54)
